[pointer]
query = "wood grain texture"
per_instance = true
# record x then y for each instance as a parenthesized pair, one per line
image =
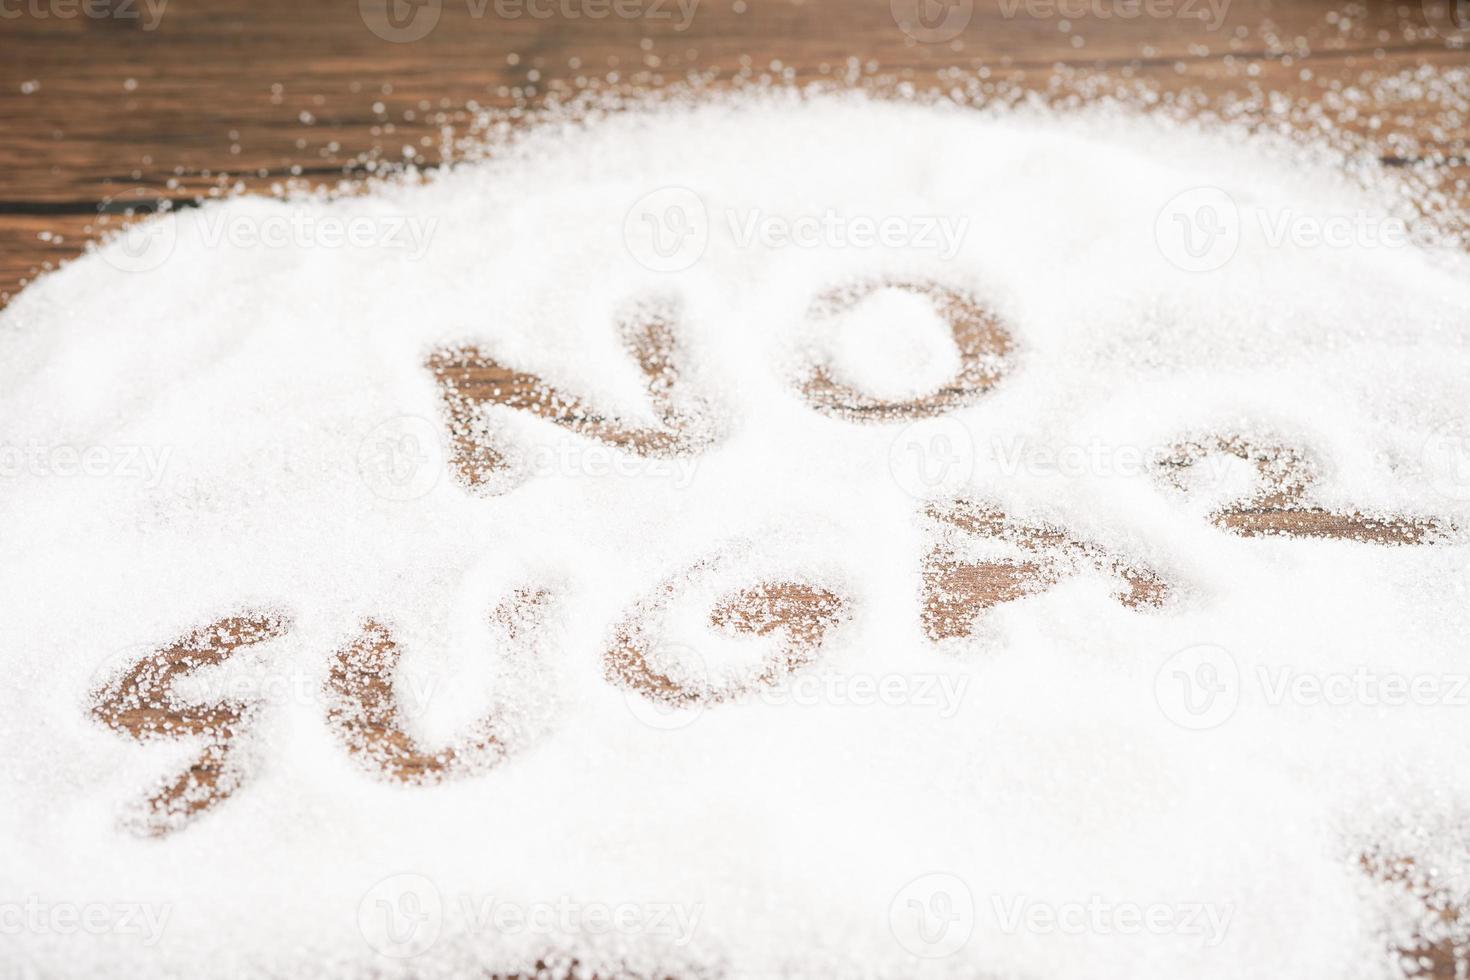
(143, 705)
(470, 381)
(204, 97)
(1280, 504)
(957, 589)
(799, 613)
(369, 718)
(982, 343)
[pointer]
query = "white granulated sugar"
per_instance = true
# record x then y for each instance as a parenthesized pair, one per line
(1068, 786)
(894, 345)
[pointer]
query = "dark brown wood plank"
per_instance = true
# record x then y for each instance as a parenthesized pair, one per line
(238, 93)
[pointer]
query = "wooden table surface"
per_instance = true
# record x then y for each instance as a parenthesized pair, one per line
(108, 103)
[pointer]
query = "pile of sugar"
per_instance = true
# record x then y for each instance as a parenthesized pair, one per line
(1025, 802)
(894, 345)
